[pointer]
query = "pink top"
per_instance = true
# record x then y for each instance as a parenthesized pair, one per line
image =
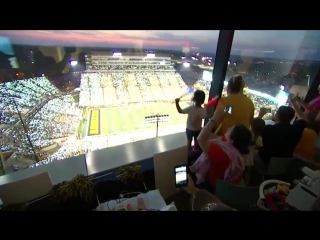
(315, 104)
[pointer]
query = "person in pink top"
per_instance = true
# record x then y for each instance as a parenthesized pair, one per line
(313, 106)
(312, 110)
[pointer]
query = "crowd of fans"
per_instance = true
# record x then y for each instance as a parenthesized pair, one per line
(47, 114)
(25, 95)
(125, 67)
(114, 89)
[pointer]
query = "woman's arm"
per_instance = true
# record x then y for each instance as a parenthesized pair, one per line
(299, 113)
(306, 106)
(204, 136)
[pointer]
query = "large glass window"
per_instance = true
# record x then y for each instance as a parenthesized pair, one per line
(64, 93)
(275, 63)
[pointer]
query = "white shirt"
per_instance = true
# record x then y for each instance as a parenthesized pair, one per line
(252, 148)
(195, 116)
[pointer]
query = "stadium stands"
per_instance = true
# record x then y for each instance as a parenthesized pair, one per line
(47, 113)
(114, 89)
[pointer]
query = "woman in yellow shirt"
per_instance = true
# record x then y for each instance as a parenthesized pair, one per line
(242, 108)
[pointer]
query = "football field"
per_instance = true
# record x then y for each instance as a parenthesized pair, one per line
(106, 121)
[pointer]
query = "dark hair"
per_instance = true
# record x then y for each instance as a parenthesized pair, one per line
(235, 84)
(199, 96)
(285, 114)
(241, 138)
(257, 127)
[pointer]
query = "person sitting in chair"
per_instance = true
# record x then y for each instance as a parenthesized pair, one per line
(222, 158)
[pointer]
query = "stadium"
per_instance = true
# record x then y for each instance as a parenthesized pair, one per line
(120, 92)
(121, 97)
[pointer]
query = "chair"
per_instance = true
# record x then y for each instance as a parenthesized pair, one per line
(236, 194)
(277, 167)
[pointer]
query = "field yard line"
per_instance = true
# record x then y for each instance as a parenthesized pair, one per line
(132, 117)
(121, 116)
(88, 123)
(110, 120)
(103, 120)
(116, 118)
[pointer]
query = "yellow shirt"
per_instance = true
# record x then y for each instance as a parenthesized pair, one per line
(307, 144)
(242, 111)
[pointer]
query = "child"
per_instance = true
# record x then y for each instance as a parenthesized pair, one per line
(195, 115)
(256, 129)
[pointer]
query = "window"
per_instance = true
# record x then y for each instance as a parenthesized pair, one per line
(275, 63)
(67, 100)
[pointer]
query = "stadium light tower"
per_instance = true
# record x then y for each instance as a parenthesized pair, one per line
(156, 119)
(13, 101)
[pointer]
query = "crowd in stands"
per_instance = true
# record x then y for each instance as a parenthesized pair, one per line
(25, 94)
(118, 67)
(47, 114)
(114, 89)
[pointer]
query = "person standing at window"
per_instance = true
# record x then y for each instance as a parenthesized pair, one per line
(242, 108)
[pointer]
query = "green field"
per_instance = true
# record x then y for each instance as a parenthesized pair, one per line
(131, 118)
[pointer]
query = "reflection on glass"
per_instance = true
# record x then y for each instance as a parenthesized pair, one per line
(115, 87)
(274, 62)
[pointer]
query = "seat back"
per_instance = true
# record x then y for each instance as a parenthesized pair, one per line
(278, 166)
(236, 194)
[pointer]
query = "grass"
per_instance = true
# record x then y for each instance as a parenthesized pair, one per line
(82, 128)
(131, 118)
(76, 98)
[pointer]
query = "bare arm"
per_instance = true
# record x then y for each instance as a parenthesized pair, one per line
(306, 106)
(299, 113)
(178, 106)
(262, 112)
(206, 132)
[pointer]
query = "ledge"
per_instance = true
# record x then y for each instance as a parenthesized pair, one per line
(59, 171)
(102, 160)
(114, 157)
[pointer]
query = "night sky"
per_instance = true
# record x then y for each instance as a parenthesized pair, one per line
(299, 45)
